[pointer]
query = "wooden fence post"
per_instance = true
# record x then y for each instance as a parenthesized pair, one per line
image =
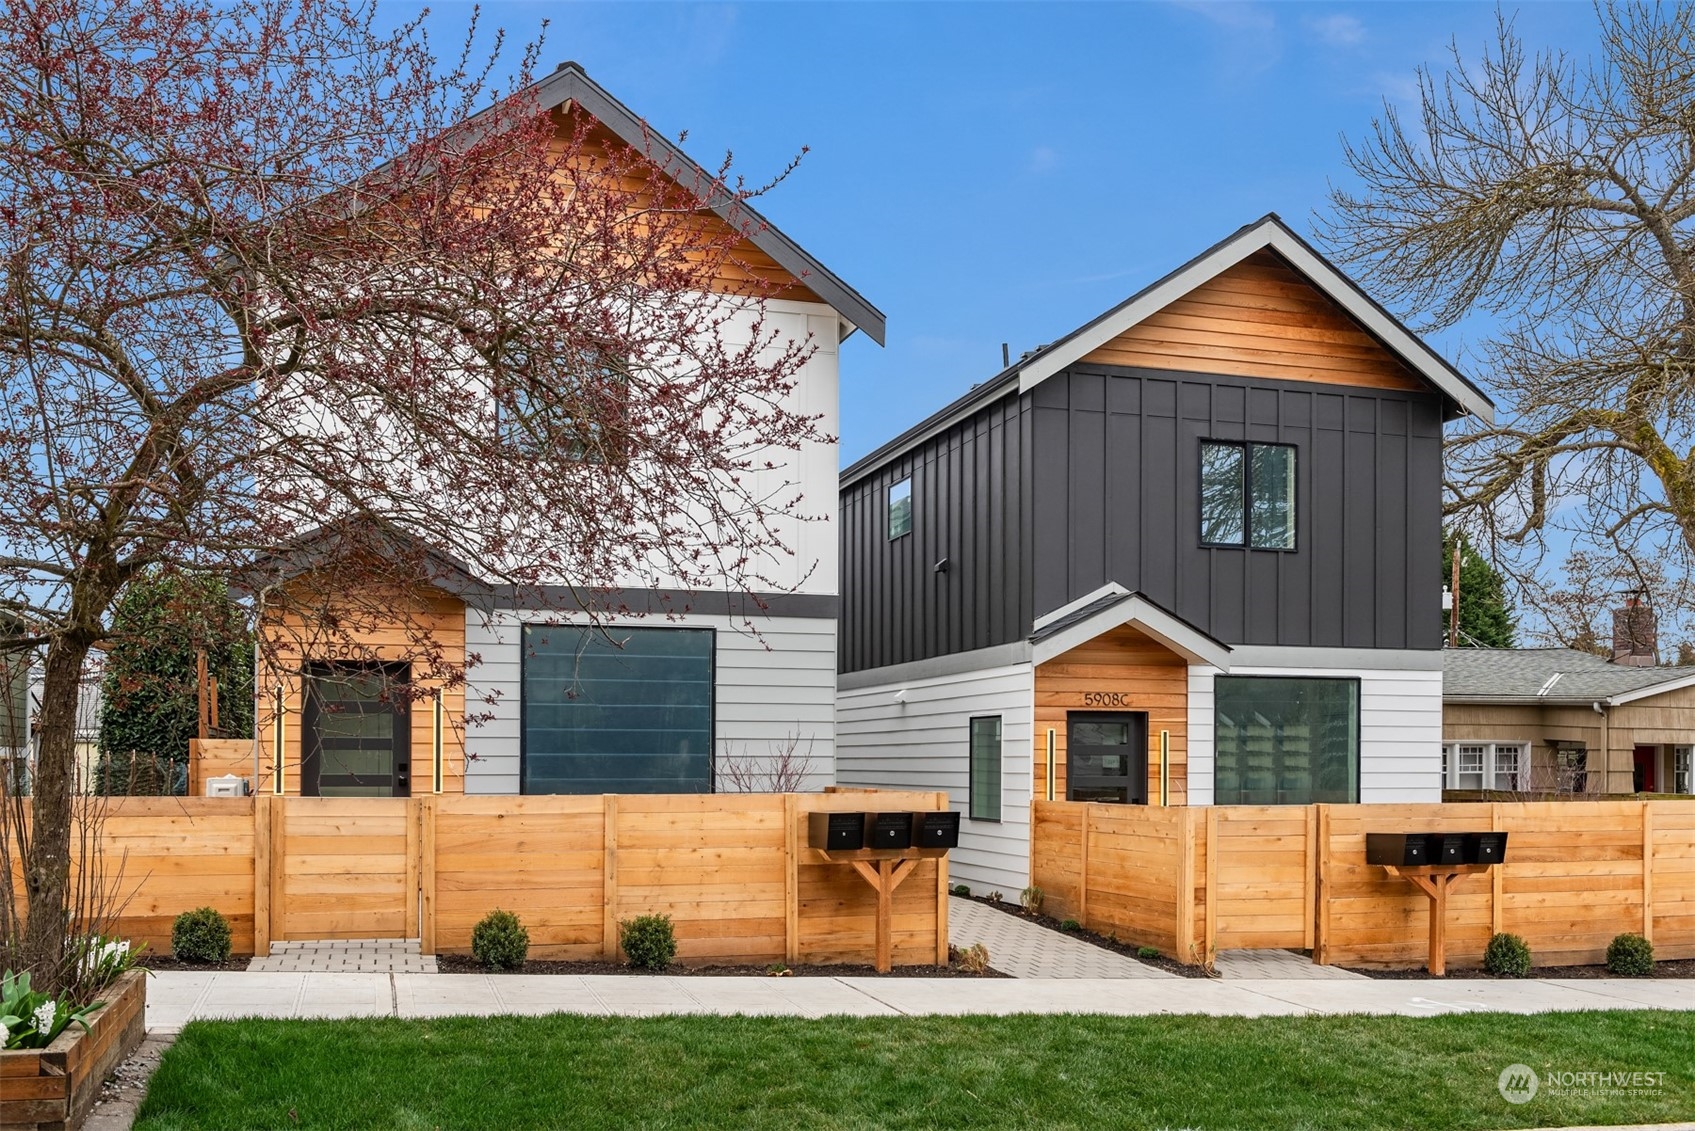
(1210, 932)
(1082, 869)
(791, 877)
(427, 874)
(609, 878)
(279, 869)
(1309, 880)
(1496, 910)
(1648, 870)
(414, 870)
(942, 804)
(261, 875)
(1322, 893)
(1185, 885)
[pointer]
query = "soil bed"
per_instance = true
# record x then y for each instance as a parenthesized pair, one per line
(164, 962)
(1666, 968)
(1105, 942)
(465, 964)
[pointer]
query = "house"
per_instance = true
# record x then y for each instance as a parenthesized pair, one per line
(1556, 720)
(676, 685)
(1181, 555)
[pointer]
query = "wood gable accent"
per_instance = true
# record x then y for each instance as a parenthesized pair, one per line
(1260, 318)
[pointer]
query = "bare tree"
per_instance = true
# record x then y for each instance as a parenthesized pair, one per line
(271, 278)
(1556, 196)
(784, 768)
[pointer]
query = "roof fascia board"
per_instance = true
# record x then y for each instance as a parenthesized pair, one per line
(1110, 589)
(1143, 615)
(990, 391)
(1652, 690)
(571, 84)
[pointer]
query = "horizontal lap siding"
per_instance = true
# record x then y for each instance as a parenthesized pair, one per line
(174, 854)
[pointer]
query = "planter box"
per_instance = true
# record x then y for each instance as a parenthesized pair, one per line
(56, 1086)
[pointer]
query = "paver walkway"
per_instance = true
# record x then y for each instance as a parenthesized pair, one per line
(1025, 950)
(345, 956)
(1283, 965)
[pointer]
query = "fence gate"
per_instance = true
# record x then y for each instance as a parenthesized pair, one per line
(344, 868)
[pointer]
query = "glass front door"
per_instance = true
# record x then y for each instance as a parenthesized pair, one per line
(1106, 757)
(356, 733)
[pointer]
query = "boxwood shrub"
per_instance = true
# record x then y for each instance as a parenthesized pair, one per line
(1507, 956)
(201, 935)
(1630, 956)
(499, 941)
(649, 942)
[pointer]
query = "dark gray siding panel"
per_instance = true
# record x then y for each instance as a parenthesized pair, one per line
(969, 509)
(1115, 489)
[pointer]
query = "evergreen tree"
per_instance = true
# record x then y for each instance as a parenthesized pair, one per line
(1486, 615)
(149, 708)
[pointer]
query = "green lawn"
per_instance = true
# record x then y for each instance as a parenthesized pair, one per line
(921, 1072)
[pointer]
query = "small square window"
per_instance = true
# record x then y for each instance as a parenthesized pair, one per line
(900, 508)
(1248, 495)
(985, 769)
(1470, 775)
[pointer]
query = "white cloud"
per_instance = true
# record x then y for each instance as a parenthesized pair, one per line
(1337, 30)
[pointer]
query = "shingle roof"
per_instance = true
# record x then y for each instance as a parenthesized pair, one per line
(1525, 674)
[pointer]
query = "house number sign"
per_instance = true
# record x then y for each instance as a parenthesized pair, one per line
(1106, 699)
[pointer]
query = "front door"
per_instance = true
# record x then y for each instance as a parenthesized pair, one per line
(356, 734)
(1106, 757)
(1646, 779)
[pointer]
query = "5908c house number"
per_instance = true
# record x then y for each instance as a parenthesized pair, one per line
(1106, 699)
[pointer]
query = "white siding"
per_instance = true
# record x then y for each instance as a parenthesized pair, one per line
(924, 743)
(778, 685)
(1400, 730)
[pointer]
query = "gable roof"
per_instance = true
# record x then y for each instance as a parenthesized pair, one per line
(1269, 232)
(1550, 675)
(570, 84)
(1113, 606)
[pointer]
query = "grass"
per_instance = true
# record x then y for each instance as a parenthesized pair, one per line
(916, 1072)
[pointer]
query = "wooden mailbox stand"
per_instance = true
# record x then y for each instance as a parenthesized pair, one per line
(1434, 880)
(884, 869)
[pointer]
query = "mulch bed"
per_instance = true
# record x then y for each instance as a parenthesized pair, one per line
(1668, 968)
(162, 962)
(1105, 942)
(465, 964)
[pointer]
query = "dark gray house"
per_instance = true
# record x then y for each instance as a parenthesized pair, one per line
(1182, 555)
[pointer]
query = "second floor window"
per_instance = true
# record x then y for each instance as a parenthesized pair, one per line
(1247, 495)
(900, 508)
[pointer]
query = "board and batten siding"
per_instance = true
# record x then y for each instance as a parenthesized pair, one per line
(771, 688)
(924, 743)
(1400, 730)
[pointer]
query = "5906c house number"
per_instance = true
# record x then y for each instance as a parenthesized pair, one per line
(1106, 699)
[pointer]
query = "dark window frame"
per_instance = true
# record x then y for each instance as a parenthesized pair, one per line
(394, 676)
(1359, 736)
(524, 704)
(889, 508)
(971, 767)
(1246, 447)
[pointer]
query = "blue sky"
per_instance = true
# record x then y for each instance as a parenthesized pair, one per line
(1004, 172)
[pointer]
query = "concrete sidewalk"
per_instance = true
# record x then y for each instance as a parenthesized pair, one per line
(174, 999)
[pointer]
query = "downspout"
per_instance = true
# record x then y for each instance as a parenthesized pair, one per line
(1606, 745)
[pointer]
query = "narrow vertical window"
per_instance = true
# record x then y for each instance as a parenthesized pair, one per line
(900, 508)
(1272, 496)
(985, 771)
(1508, 763)
(1223, 487)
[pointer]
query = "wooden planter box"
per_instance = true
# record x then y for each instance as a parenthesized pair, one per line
(56, 1086)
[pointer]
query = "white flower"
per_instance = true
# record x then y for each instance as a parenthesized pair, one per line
(5, 1035)
(45, 1015)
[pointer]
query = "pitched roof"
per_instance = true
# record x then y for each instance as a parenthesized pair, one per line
(1112, 606)
(1550, 675)
(1267, 232)
(570, 84)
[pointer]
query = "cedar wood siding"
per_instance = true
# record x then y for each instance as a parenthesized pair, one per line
(1116, 492)
(969, 506)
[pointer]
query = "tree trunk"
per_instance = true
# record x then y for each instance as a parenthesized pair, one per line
(53, 789)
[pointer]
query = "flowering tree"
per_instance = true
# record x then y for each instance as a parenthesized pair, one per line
(268, 272)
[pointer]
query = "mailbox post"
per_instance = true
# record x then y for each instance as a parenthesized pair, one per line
(1433, 863)
(887, 867)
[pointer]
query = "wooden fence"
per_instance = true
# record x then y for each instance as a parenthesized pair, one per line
(732, 870)
(1194, 881)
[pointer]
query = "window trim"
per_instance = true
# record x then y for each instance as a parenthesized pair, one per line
(1491, 750)
(889, 508)
(1247, 447)
(971, 768)
(1359, 732)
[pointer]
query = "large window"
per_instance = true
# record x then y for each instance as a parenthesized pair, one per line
(900, 508)
(1284, 741)
(1248, 495)
(624, 710)
(1486, 765)
(985, 769)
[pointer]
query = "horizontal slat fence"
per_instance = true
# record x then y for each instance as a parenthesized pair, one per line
(732, 870)
(1295, 877)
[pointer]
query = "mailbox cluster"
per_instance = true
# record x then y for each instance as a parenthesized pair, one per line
(1411, 850)
(845, 832)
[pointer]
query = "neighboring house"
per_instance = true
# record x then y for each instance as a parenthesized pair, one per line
(1554, 720)
(656, 703)
(1184, 553)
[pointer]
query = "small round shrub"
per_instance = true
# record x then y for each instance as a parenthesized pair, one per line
(1630, 956)
(201, 935)
(962, 889)
(1147, 952)
(1069, 925)
(1507, 956)
(499, 941)
(649, 942)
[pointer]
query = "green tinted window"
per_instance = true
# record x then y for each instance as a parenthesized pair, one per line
(985, 769)
(1285, 741)
(900, 508)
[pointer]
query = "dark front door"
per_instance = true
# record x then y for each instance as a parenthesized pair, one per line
(356, 734)
(1646, 780)
(1106, 757)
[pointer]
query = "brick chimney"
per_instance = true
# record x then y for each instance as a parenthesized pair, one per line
(1636, 636)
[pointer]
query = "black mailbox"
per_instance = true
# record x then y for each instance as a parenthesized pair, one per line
(1400, 850)
(1486, 848)
(1447, 848)
(935, 830)
(888, 830)
(841, 832)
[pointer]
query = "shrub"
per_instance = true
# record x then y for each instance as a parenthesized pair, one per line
(1630, 956)
(1070, 925)
(1147, 952)
(1507, 956)
(974, 958)
(201, 935)
(1031, 899)
(995, 897)
(499, 941)
(962, 889)
(649, 942)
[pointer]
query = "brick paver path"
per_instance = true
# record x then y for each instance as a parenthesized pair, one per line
(1025, 950)
(1284, 965)
(345, 956)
